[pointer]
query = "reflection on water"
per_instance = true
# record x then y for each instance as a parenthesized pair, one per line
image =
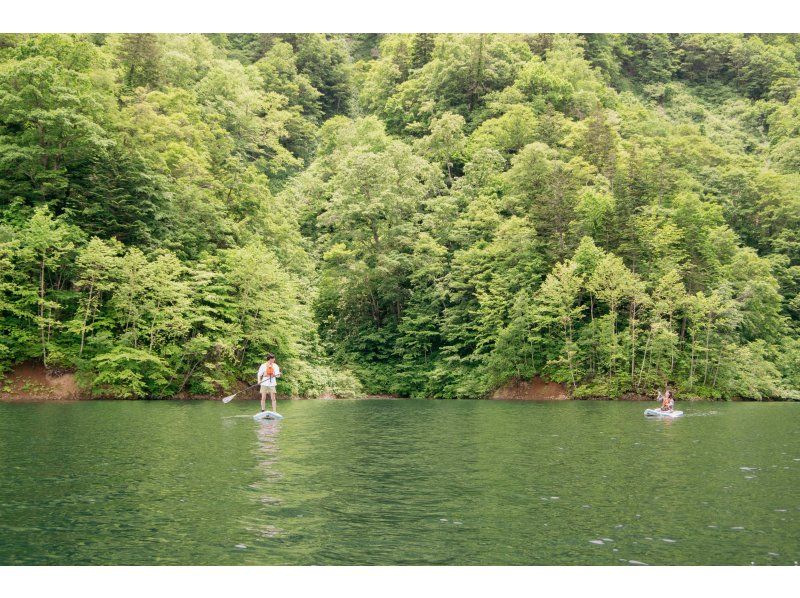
(266, 451)
(398, 482)
(267, 447)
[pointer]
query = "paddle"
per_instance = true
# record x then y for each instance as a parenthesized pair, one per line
(229, 398)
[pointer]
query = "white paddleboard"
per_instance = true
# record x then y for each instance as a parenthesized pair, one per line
(659, 413)
(267, 415)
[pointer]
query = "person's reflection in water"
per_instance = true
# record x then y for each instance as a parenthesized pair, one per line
(267, 449)
(267, 455)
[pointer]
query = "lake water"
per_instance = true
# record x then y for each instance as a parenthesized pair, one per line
(398, 482)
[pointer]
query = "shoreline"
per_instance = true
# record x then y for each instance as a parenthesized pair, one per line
(32, 383)
(12, 398)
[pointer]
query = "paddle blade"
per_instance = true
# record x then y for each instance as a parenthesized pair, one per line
(228, 399)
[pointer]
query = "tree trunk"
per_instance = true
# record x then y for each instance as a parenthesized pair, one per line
(716, 371)
(708, 342)
(633, 340)
(593, 354)
(644, 356)
(41, 311)
(86, 319)
(568, 336)
(154, 327)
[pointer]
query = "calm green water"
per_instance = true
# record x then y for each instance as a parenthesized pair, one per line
(398, 482)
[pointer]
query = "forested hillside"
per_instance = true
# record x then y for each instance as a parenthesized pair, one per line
(423, 215)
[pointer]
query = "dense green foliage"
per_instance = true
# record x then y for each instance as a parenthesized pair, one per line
(420, 214)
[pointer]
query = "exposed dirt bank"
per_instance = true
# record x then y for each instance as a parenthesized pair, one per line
(535, 389)
(32, 382)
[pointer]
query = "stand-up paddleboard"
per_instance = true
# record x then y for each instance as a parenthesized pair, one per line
(267, 415)
(659, 413)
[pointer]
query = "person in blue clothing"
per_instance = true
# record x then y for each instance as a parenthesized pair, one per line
(268, 375)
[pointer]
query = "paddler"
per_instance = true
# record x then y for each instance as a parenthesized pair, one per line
(668, 403)
(268, 375)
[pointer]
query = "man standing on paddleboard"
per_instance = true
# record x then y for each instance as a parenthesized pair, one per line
(268, 375)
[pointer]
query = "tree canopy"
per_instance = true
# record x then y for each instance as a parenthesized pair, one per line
(418, 214)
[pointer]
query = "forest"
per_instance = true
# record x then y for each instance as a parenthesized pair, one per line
(421, 215)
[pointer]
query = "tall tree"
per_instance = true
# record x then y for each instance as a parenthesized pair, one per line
(140, 57)
(422, 49)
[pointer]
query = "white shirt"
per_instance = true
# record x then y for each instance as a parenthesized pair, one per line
(269, 380)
